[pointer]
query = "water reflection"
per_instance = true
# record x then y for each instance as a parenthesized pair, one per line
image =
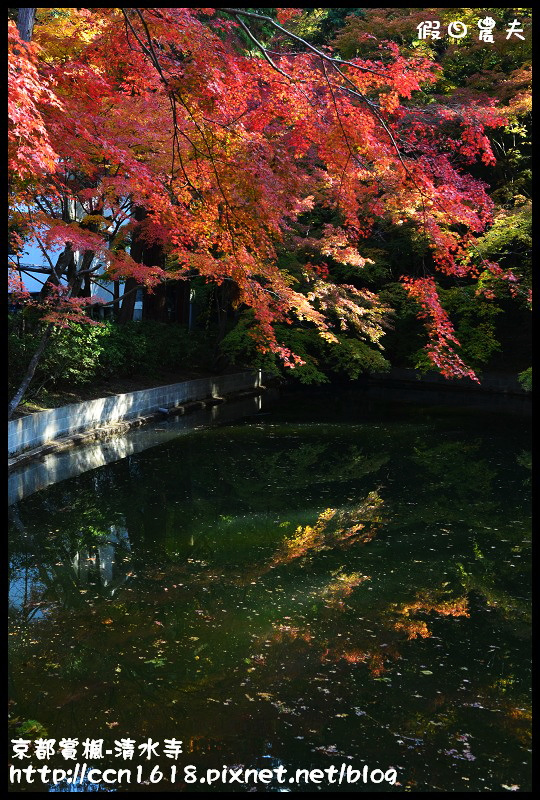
(55, 467)
(298, 591)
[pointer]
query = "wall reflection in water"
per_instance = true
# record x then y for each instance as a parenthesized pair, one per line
(53, 468)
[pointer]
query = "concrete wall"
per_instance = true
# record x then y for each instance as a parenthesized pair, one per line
(54, 467)
(37, 429)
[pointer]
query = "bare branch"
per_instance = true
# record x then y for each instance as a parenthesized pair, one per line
(242, 12)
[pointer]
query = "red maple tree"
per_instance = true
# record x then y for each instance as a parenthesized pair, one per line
(167, 110)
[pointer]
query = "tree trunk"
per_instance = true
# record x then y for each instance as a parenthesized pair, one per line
(65, 263)
(25, 23)
(116, 296)
(30, 371)
(155, 306)
(128, 301)
(82, 286)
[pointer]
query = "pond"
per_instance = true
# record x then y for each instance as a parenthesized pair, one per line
(339, 580)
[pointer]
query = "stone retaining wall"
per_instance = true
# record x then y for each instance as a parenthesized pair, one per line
(489, 382)
(35, 430)
(36, 473)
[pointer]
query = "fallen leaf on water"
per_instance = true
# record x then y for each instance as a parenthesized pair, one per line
(331, 750)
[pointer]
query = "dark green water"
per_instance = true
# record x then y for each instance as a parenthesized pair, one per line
(336, 581)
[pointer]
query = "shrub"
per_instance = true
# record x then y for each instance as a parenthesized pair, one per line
(525, 378)
(82, 353)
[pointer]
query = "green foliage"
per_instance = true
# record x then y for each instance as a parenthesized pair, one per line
(23, 341)
(80, 354)
(354, 357)
(239, 346)
(349, 356)
(475, 323)
(509, 241)
(372, 275)
(31, 729)
(319, 25)
(525, 378)
(304, 342)
(149, 348)
(470, 70)
(72, 355)
(474, 319)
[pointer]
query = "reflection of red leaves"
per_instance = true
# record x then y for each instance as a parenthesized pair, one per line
(375, 660)
(333, 528)
(355, 657)
(342, 587)
(458, 607)
(376, 664)
(413, 629)
(283, 632)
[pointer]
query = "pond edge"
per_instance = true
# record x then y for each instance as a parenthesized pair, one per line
(58, 429)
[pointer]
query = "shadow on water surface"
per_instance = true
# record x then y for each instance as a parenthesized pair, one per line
(330, 582)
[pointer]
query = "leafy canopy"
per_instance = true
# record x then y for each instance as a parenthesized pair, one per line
(226, 145)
